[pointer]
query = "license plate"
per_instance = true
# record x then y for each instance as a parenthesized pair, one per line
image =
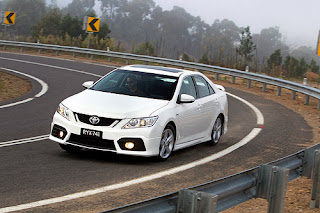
(91, 133)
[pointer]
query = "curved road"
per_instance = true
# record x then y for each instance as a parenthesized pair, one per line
(40, 170)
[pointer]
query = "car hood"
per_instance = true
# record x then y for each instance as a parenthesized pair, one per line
(111, 105)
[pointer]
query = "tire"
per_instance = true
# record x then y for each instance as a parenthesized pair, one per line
(70, 148)
(166, 143)
(216, 132)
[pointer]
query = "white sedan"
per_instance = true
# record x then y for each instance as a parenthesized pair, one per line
(142, 111)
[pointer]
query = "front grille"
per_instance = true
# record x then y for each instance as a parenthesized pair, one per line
(103, 121)
(91, 142)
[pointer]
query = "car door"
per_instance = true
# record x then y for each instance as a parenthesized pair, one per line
(188, 114)
(207, 104)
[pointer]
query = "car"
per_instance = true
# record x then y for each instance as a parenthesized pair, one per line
(142, 110)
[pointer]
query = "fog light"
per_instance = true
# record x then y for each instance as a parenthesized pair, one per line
(61, 134)
(129, 145)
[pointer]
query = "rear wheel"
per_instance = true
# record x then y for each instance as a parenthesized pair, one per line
(166, 143)
(70, 148)
(216, 132)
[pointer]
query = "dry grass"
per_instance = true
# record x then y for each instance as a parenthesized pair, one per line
(12, 87)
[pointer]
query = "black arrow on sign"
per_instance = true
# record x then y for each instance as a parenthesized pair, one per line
(91, 24)
(9, 18)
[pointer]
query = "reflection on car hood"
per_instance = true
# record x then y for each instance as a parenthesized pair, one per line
(111, 105)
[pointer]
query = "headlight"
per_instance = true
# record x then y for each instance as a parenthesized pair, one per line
(140, 122)
(64, 111)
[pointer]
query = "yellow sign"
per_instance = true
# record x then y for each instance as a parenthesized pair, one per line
(318, 48)
(9, 17)
(93, 24)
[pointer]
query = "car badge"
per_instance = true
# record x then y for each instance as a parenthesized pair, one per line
(94, 120)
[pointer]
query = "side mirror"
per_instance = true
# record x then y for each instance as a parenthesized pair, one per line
(184, 98)
(88, 84)
(220, 87)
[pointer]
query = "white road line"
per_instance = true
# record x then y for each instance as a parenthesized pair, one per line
(155, 176)
(260, 118)
(62, 59)
(44, 89)
(51, 66)
(43, 84)
(22, 141)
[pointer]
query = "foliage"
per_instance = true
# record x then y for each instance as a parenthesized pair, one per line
(142, 27)
(79, 8)
(145, 48)
(27, 12)
(246, 46)
(275, 59)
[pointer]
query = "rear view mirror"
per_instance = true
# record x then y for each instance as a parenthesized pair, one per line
(88, 84)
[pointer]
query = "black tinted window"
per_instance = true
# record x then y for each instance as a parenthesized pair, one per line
(188, 88)
(202, 86)
(148, 85)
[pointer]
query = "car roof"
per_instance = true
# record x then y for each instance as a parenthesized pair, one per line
(170, 71)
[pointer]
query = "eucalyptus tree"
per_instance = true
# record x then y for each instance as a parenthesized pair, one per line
(28, 13)
(79, 8)
(246, 47)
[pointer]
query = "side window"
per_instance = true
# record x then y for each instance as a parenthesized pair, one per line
(188, 88)
(211, 90)
(203, 88)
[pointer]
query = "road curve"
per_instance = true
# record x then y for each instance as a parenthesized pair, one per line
(39, 170)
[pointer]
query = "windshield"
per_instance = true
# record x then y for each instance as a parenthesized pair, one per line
(133, 83)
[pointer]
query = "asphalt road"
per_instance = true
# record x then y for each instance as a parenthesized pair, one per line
(40, 170)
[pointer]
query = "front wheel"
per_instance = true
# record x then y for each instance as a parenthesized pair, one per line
(216, 132)
(166, 143)
(70, 148)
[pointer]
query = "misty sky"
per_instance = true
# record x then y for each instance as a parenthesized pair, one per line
(299, 21)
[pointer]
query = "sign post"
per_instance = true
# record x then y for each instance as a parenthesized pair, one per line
(318, 45)
(90, 25)
(7, 18)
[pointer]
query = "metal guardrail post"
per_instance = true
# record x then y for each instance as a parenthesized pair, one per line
(249, 83)
(233, 80)
(191, 201)
(272, 185)
(308, 162)
(264, 88)
(279, 91)
(315, 192)
(307, 100)
(294, 94)
(217, 76)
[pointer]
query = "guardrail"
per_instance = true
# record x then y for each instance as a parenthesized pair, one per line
(266, 80)
(268, 181)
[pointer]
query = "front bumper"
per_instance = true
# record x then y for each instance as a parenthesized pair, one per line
(113, 139)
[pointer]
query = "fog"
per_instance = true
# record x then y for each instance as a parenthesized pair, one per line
(299, 21)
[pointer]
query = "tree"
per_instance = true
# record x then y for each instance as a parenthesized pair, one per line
(71, 26)
(275, 59)
(246, 46)
(28, 12)
(49, 24)
(314, 67)
(79, 8)
(267, 42)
